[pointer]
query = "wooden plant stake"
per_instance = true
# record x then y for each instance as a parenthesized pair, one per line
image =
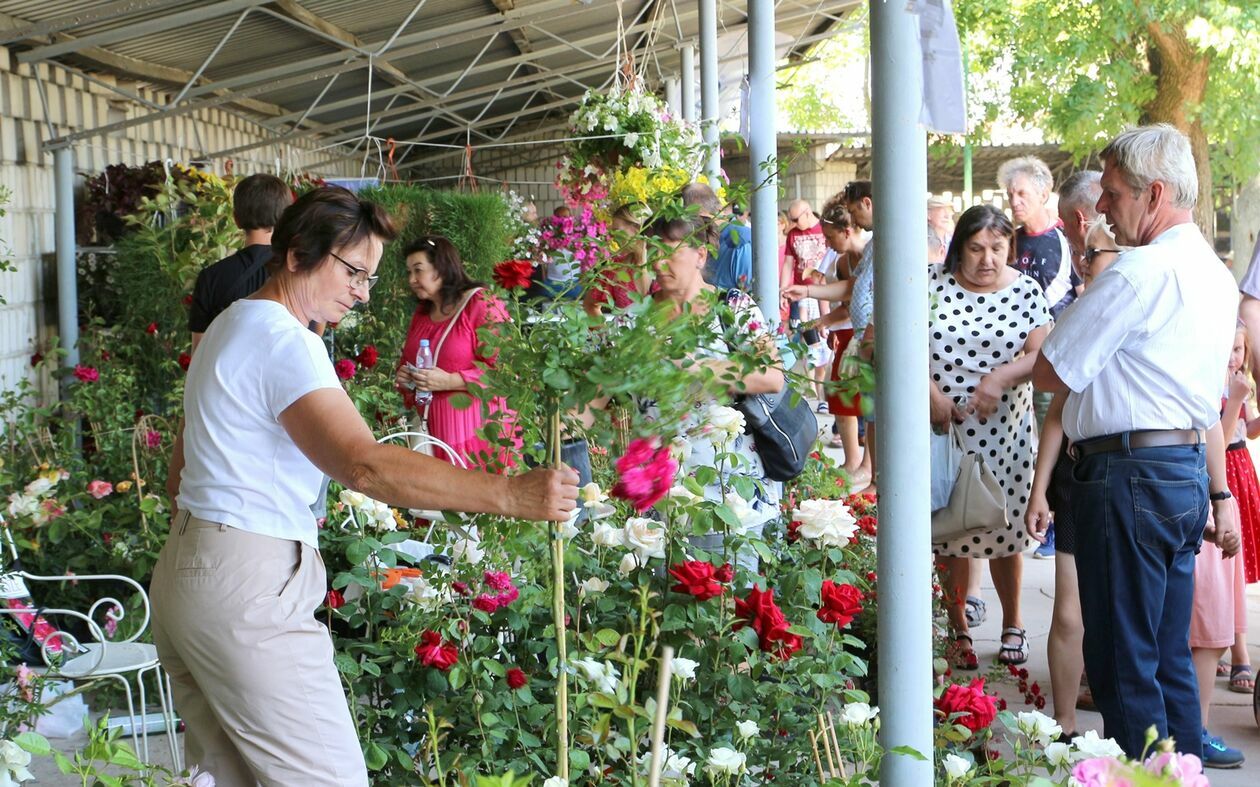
(813, 741)
(831, 728)
(663, 678)
(557, 612)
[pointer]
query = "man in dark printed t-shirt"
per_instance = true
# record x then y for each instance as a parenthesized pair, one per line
(257, 202)
(1041, 248)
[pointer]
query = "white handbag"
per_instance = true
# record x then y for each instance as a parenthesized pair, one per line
(977, 504)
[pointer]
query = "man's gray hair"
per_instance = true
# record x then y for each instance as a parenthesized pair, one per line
(1082, 190)
(1160, 152)
(702, 194)
(1030, 167)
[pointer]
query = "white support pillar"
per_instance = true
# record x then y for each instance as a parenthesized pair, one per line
(673, 96)
(688, 53)
(763, 157)
(899, 171)
(710, 109)
(63, 235)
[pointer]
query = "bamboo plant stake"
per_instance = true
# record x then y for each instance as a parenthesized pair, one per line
(822, 734)
(557, 612)
(835, 743)
(813, 741)
(662, 712)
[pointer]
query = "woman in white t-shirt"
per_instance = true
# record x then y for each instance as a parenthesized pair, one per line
(240, 577)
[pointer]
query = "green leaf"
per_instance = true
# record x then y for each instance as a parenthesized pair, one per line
(357, 552)
(579, 760)
(557, 378)
(34, 743)
(682, 725)
(908, 751)
(375, 756)
(607, 637)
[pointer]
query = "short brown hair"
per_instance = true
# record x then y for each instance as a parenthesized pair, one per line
(695, 231)
(448, 266)
(835, 213)
(324, 219)
(258, 201)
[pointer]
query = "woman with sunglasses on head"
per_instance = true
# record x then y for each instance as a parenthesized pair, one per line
(452, 309)
(240, 577)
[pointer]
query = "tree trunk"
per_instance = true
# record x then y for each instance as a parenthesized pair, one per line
(1181, 76)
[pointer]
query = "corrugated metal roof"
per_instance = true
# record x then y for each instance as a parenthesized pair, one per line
(568, 44)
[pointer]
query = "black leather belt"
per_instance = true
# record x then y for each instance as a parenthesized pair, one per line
(1238, 446)
(1148, 438)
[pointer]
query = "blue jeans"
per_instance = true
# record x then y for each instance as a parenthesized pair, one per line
(1139, 516)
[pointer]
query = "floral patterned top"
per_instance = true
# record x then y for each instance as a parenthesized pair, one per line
(700, 436)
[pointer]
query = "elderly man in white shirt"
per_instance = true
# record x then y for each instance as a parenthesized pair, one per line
(1141, 355)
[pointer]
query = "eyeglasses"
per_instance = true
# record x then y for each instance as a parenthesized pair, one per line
(1090, 254)
(796, 218)
(358, 276)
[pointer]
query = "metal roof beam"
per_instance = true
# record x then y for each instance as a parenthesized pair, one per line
(29, 30)
(441, 37)
(158, 24)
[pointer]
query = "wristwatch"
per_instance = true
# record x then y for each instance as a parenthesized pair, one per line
(1217, 497)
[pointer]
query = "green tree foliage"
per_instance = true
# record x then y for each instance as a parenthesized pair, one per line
(1082, 70)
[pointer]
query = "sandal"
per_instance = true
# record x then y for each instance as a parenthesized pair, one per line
(1013, 654)
(1241, 680)
(975, 611)
(1222, 668)
(964, 659)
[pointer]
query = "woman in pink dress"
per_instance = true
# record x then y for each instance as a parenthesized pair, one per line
(452, 309)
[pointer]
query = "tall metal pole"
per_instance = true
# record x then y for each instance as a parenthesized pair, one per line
(63, 234)
(710, 110)
(901, 379)
(688, 52)
(763, 158)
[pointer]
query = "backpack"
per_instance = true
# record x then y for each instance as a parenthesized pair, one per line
(783, 432)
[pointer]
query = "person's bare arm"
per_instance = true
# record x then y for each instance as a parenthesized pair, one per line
(988, 393)
(196, 340)
(329, 430)
(175, 468)
(1038, 517)
(1222, 529)
(1045, 378)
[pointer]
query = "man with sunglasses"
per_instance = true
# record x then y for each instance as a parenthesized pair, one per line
(806, 248)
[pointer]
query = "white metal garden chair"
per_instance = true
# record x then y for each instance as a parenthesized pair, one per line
(118, 660)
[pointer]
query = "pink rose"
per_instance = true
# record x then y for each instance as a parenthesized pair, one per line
(100, 489)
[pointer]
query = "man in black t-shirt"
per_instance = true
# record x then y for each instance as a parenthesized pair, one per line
(1041, 248)
(257, 203)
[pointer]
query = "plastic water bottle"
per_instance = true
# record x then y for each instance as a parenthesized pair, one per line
(424, 360)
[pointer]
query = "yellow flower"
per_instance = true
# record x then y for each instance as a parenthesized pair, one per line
(122, 486)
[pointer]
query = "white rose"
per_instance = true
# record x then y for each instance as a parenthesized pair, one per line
(13, 762)
(600, 510)
(725, 761)
(1058, 754)
(592, 586)
(591, 493)
(38, 487)
(684, 669)
(681, 494)
(569, 528)
(856, 714)
(646, 537)
(556, 781)
(349, 320)
(384, 516)
(725, 420)
(827, 521)
(353, 499)
(956, 767)
(21, 505)
(628, 563)
(608, 536)
(422, 594)
(467, 549)
(602, 674)
(748, 728)
(1038, 727)
(678, 766)
(1090, 745)
(742, 510)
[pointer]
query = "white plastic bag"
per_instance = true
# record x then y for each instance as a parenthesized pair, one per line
(65, 718)
(944, 456)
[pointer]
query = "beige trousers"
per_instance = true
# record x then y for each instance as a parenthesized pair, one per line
(251, 668)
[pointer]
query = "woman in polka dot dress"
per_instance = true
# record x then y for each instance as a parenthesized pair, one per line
(988, 321)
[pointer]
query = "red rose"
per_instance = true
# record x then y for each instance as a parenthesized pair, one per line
(460, 588)
(433, 652)
(793, 534)
(840, 603)
(867, 524)
(334, 599)
(36, 358)
(644, 473)
(368, 356)
(759, 611)
(514, 274)
(187, 300)
(151, 328)
(724, 574)
(86, 374)
(106, 355)
(184, 361)
(486, 603)
(977, 709)
(345, 369)
(696, 578)
(516, 678)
